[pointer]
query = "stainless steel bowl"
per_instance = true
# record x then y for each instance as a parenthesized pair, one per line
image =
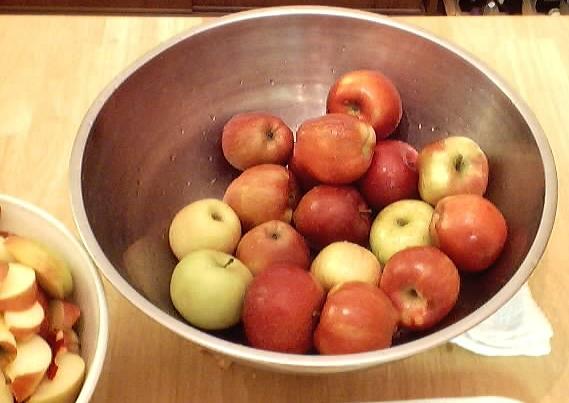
(150, 144)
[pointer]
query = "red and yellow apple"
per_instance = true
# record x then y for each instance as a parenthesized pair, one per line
(328, 214)
(256, 138)
(370, 96)
(263, 193)
(470, 229)
(66, 385)
(335, 149)
(303, 177)
(272, 242)
(450, 166)
(423, 285)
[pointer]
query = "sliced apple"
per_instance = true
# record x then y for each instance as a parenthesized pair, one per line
(7, 345)
(5, 394)
(18, 291)
(44, 302)
(71, 341)
(5, 255)
(52, 271)
(62, 314)
(4, 267)
(27, 370)
(24, 323)
(67, 383)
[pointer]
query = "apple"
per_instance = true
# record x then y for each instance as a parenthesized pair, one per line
(27, 370)
(53, 275)
(207, 288)
(470, 229)
(281, 309)
(204, 224)
(4, 267)
(5, 255)
(66, 385)
(25, 323)
(263, 193)
(272, 242)
(5, 393)
(71, 341)
(62, 314)
(18, 291)
(256, 138)
(303, 177)
(7, 345)
(334, 149)
(328, 214)
(370, 96)
(392, 175)
(449, 166)
(423, 285)
(400, 225)
(357, 317)
(342, 262)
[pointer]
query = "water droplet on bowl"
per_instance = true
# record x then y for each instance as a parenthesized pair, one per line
(212, 117)
(343, 49)
(241, 82)
(332, 70)
(420, 126)
(211, 182)
(189, 183)
(210, 158)
(173, 157)
(271, 81)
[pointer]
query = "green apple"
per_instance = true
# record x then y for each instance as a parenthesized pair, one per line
(207, 288)
(204, 224)
(341, 262)
(399, 226)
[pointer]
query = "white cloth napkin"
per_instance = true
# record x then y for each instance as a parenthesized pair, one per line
(518, 328)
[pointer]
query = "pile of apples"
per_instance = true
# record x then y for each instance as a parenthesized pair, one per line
(39, 348)
(348, 236)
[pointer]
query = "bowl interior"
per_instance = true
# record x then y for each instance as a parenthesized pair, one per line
(26, 220)
(154, 146)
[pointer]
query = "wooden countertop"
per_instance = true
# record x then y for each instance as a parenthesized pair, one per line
(51, 69)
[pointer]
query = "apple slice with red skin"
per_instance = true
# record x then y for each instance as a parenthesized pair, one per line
(357, 317)
(4, 267)
(5, 393)
(66, 385)
(62, 314)
(25, 323)
(18, 291)
(8, 348)
(470, 229)
(423, 284)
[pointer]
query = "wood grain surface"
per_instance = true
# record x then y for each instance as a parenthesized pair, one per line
(51, 69)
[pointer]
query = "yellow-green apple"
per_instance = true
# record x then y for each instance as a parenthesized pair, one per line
(255, 138)
(356, 317)
(18, 291)
(470, 229)
(7, 345)
(342, 262)
(452, 165)
(5, 256)
(66, 385)
(370, 96)
(25, 323)
(272, 242)
(423, 285)
(392, 175)
(281, 309)
(335, 149)
(5, 393)
(328, 214)
(52, 271)
(27, 370)
(400, 225)
(207, 288)
(204, 224)
(62, 314)
(263, 193)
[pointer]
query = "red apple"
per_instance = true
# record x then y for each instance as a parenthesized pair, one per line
(304, 179)
(356, 317)
(423, 284)
(256, 138)
(272, 242)
(335, 149)
(392, 175)
(328, 214)
(263, 193)
(450, 166)
(281, 308)
(470, 230)
(370, 96)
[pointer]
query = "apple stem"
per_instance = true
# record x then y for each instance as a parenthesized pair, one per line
(231, 260)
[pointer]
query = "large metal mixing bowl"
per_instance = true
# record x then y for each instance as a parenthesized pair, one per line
(150, 144)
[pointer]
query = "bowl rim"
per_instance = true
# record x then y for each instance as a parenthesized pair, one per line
(94, 370)
(297, 361)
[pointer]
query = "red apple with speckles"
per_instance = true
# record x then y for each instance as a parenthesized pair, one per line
(263, 193)
(423, 284)
(470, 229)
(392, 175)
(281, 309)
(357, 317)
(334, 149)
(256, 138)
(272, 242)
(328, 214)
(370, 96)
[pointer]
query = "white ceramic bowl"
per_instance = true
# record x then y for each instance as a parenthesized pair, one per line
(25, 219)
